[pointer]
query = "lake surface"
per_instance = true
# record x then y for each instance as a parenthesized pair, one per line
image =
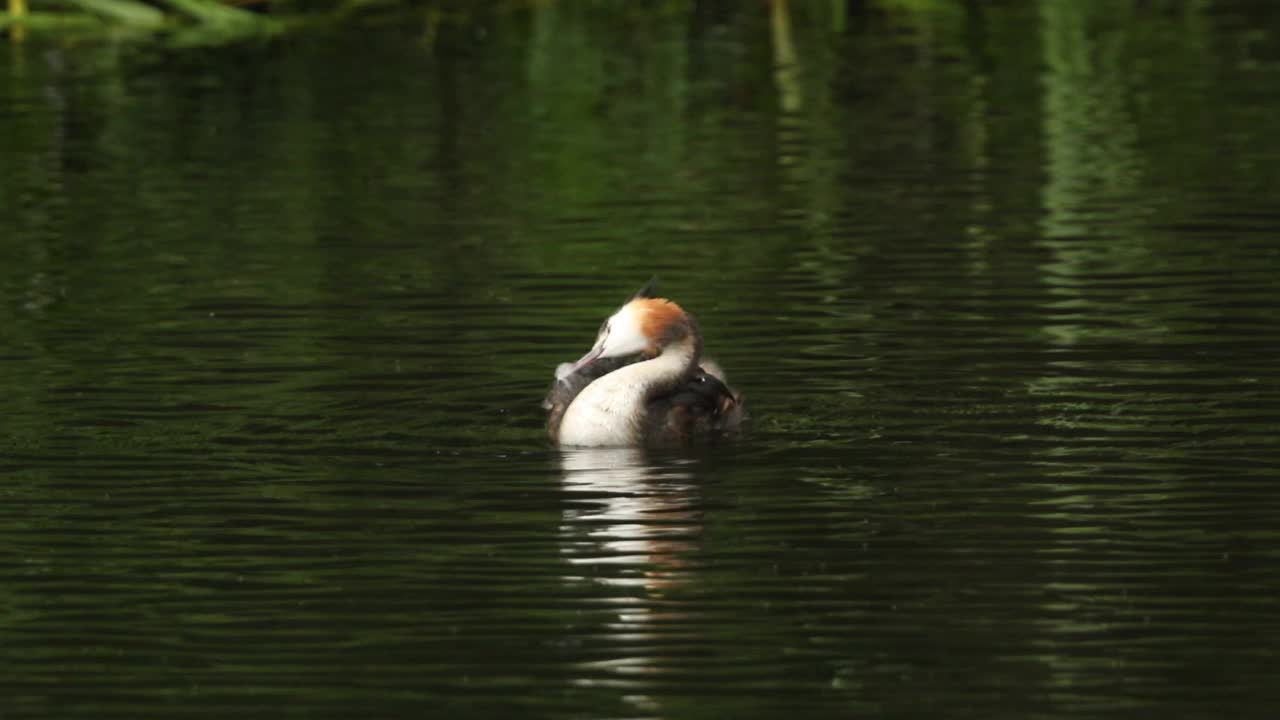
(1001, 286)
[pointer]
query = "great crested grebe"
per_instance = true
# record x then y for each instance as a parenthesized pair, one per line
(641, 383)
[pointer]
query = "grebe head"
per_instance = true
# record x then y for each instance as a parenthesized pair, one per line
(643, 325)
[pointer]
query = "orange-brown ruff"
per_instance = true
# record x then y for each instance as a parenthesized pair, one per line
(641, 384)
(662, 320)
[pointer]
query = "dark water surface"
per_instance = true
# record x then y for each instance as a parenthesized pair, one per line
(1002, 286)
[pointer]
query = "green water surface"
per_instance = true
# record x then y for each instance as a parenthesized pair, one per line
(1000, 282)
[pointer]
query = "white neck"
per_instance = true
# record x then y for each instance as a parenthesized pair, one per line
(611, 410)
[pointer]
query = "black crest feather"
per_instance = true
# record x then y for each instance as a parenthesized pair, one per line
(650, 290)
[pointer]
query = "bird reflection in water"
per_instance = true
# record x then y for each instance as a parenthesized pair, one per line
(631, 525)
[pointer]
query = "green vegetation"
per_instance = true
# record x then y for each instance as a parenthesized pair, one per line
(221, 21)
(184, 21)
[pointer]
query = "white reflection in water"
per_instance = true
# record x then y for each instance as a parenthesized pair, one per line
(631, 525)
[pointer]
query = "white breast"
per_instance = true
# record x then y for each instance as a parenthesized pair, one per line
(607, 412)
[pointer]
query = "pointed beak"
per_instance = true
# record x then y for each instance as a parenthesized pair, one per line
(583, 361)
